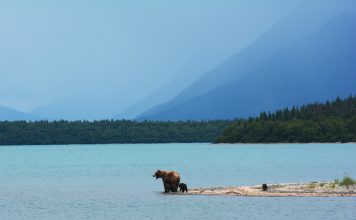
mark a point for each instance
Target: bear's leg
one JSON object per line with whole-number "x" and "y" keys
{"x": 166, "y": 188}
{"x": 174, "y": 188}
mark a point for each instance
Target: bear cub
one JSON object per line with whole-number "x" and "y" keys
{"x": 264, "y": 187}
{"x": 183, "y": 187}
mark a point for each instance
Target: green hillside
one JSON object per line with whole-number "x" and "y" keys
{"x": 319, "y": 122}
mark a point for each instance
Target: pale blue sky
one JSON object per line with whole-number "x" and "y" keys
{"x": 99, "y": 57}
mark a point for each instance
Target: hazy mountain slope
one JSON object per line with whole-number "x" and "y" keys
{"x": 318, "y": 67}
{"x": 183, "y": 78}
{"x": 9, "y": 114}
{"x": 308, "y": 17}
{"x": 72, "y": 109}
{"x": 161, "y": 95}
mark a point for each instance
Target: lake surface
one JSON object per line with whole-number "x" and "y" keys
{"x": 115, "y": 181}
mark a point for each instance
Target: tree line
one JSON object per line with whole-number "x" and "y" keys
{"x": 108, "y": 131}
{"x": 332, "y": 121}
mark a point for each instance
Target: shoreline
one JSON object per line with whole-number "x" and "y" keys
{"x": 313, "y": 189}
{"x": 281, "y": 143}
{"x": 152, "y": 143}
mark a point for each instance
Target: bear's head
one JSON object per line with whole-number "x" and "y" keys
{"x": 158, "y": 174}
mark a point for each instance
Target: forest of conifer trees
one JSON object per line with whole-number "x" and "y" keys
{"x": 108, "y": 131}
{"x": 319, "y": 122}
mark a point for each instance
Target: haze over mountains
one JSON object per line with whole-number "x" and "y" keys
{"x": 76, "y": 61}
{"x": 158, "y": 63}
{"x": 310, "y": 55}
{"x": 10, "y": 114}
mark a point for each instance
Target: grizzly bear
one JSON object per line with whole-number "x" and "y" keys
{"x": 170, "y": 180}
{"x": 183, "y": 187}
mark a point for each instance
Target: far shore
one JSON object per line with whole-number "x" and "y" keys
{"x": 274, "y": 143}
{"x": 312, "y": 189}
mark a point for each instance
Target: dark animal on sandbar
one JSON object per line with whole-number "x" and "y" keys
{"x": 264, "y": 187}
{"x": 183, "y": 187}
{"x": 170, "y": 180}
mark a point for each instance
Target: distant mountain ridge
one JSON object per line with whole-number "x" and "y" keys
{"x": 9, "y": 114}
{"x": 278, "y": 70}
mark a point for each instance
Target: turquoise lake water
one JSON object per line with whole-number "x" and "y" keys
{"x": 115, "y": 181}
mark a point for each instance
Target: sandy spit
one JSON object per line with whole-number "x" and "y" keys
{"x": 314, "y": 189}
